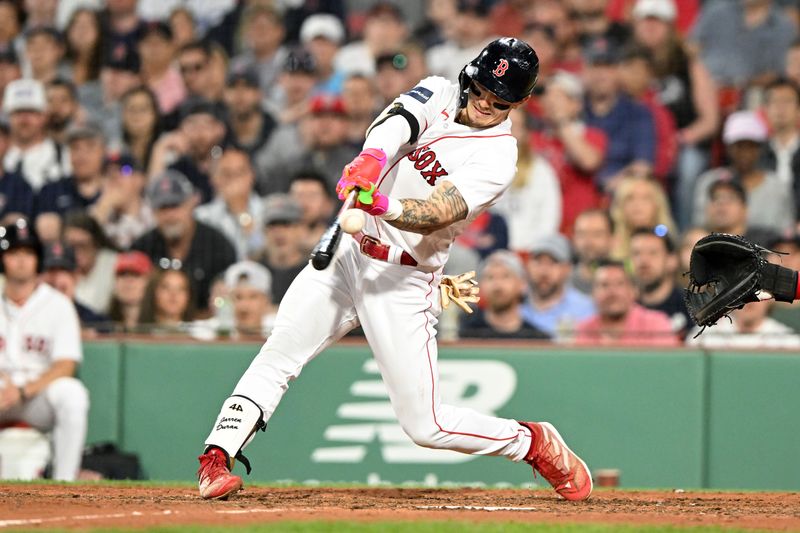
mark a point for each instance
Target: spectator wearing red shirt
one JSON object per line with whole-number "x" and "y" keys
{"x": 619, "y": 319}
{"x": 574, "y": 150}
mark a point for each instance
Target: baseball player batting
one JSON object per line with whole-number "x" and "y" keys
{"x": 436, "y": 158}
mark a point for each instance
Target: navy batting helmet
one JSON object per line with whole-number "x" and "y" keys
{"x": 20, "y": 234}
{"x": 507, "y": 67}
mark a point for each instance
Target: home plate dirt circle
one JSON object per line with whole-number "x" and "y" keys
{"x": 88, "y": 506}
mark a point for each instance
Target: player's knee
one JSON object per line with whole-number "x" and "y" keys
{"x": 425, "y": 435}
{"x": 69, "y": 394}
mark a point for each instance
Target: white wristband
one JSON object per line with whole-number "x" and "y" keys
{"x": 394, "y": 210}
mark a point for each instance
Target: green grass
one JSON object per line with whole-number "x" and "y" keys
{"x": 423, "y": 527}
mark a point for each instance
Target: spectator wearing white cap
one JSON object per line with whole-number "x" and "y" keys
{"x": 323, "y": 35}
{"x": 554, "y": 306}
{"x": 246, "y": 310}
{"x": 32, "y": 152}
{"x": 250, "y": 286}
{"x": 770, "y": 202}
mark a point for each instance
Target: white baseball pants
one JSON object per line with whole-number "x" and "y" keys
{"x": 397, "y": 307}
{"x": 63, "y": 408}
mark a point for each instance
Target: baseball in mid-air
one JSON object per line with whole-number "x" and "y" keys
{"x": 352, "y": 220}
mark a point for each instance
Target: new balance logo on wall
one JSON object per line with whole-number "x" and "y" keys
{"x": 483, "y": 385}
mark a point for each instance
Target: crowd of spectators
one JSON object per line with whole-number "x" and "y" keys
{"x": 178, "y": 157}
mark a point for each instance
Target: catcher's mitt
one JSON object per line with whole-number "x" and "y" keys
{"x": 728, "y": 271}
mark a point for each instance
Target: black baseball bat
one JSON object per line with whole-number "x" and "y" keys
{"x": 323, "y": 252}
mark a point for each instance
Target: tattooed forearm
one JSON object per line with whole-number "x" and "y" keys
{"x": 444, "y": 207}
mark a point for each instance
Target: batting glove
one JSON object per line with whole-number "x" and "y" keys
{"x": 362, "y": 172}
{"x": 460, "y": 290}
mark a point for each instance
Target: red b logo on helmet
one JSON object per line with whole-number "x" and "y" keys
{"x": 501, "y": 69}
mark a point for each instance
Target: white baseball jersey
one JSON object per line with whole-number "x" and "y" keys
{"x": 481, "y": 163}
{"x": 396, "y": 305}
{"x": 41, "y": 331}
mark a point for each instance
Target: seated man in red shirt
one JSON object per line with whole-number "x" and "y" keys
{"x": 619, "y": 319}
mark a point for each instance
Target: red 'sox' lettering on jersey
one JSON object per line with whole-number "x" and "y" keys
{"x": 501, "y": 69}
{"x": 425, "y": 161}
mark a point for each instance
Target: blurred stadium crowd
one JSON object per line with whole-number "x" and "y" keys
{"x": 177, "y": 157}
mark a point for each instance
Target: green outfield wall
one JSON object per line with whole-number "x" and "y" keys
{"x": 678, "y": 418}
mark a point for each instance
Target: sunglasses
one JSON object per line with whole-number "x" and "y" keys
{"x": 479, "y": 94}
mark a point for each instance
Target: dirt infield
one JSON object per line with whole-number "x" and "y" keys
{"x": 90, "y": 506}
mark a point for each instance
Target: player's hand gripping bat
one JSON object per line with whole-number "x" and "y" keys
{"x": 323, "y": 252}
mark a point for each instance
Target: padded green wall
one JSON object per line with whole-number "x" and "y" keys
{"x": 678, "y": 418}
{"x": 754, "y": 421}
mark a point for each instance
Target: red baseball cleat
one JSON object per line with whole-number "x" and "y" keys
{"x": 552, "y": 458}
{"x": 214, "y": 477}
